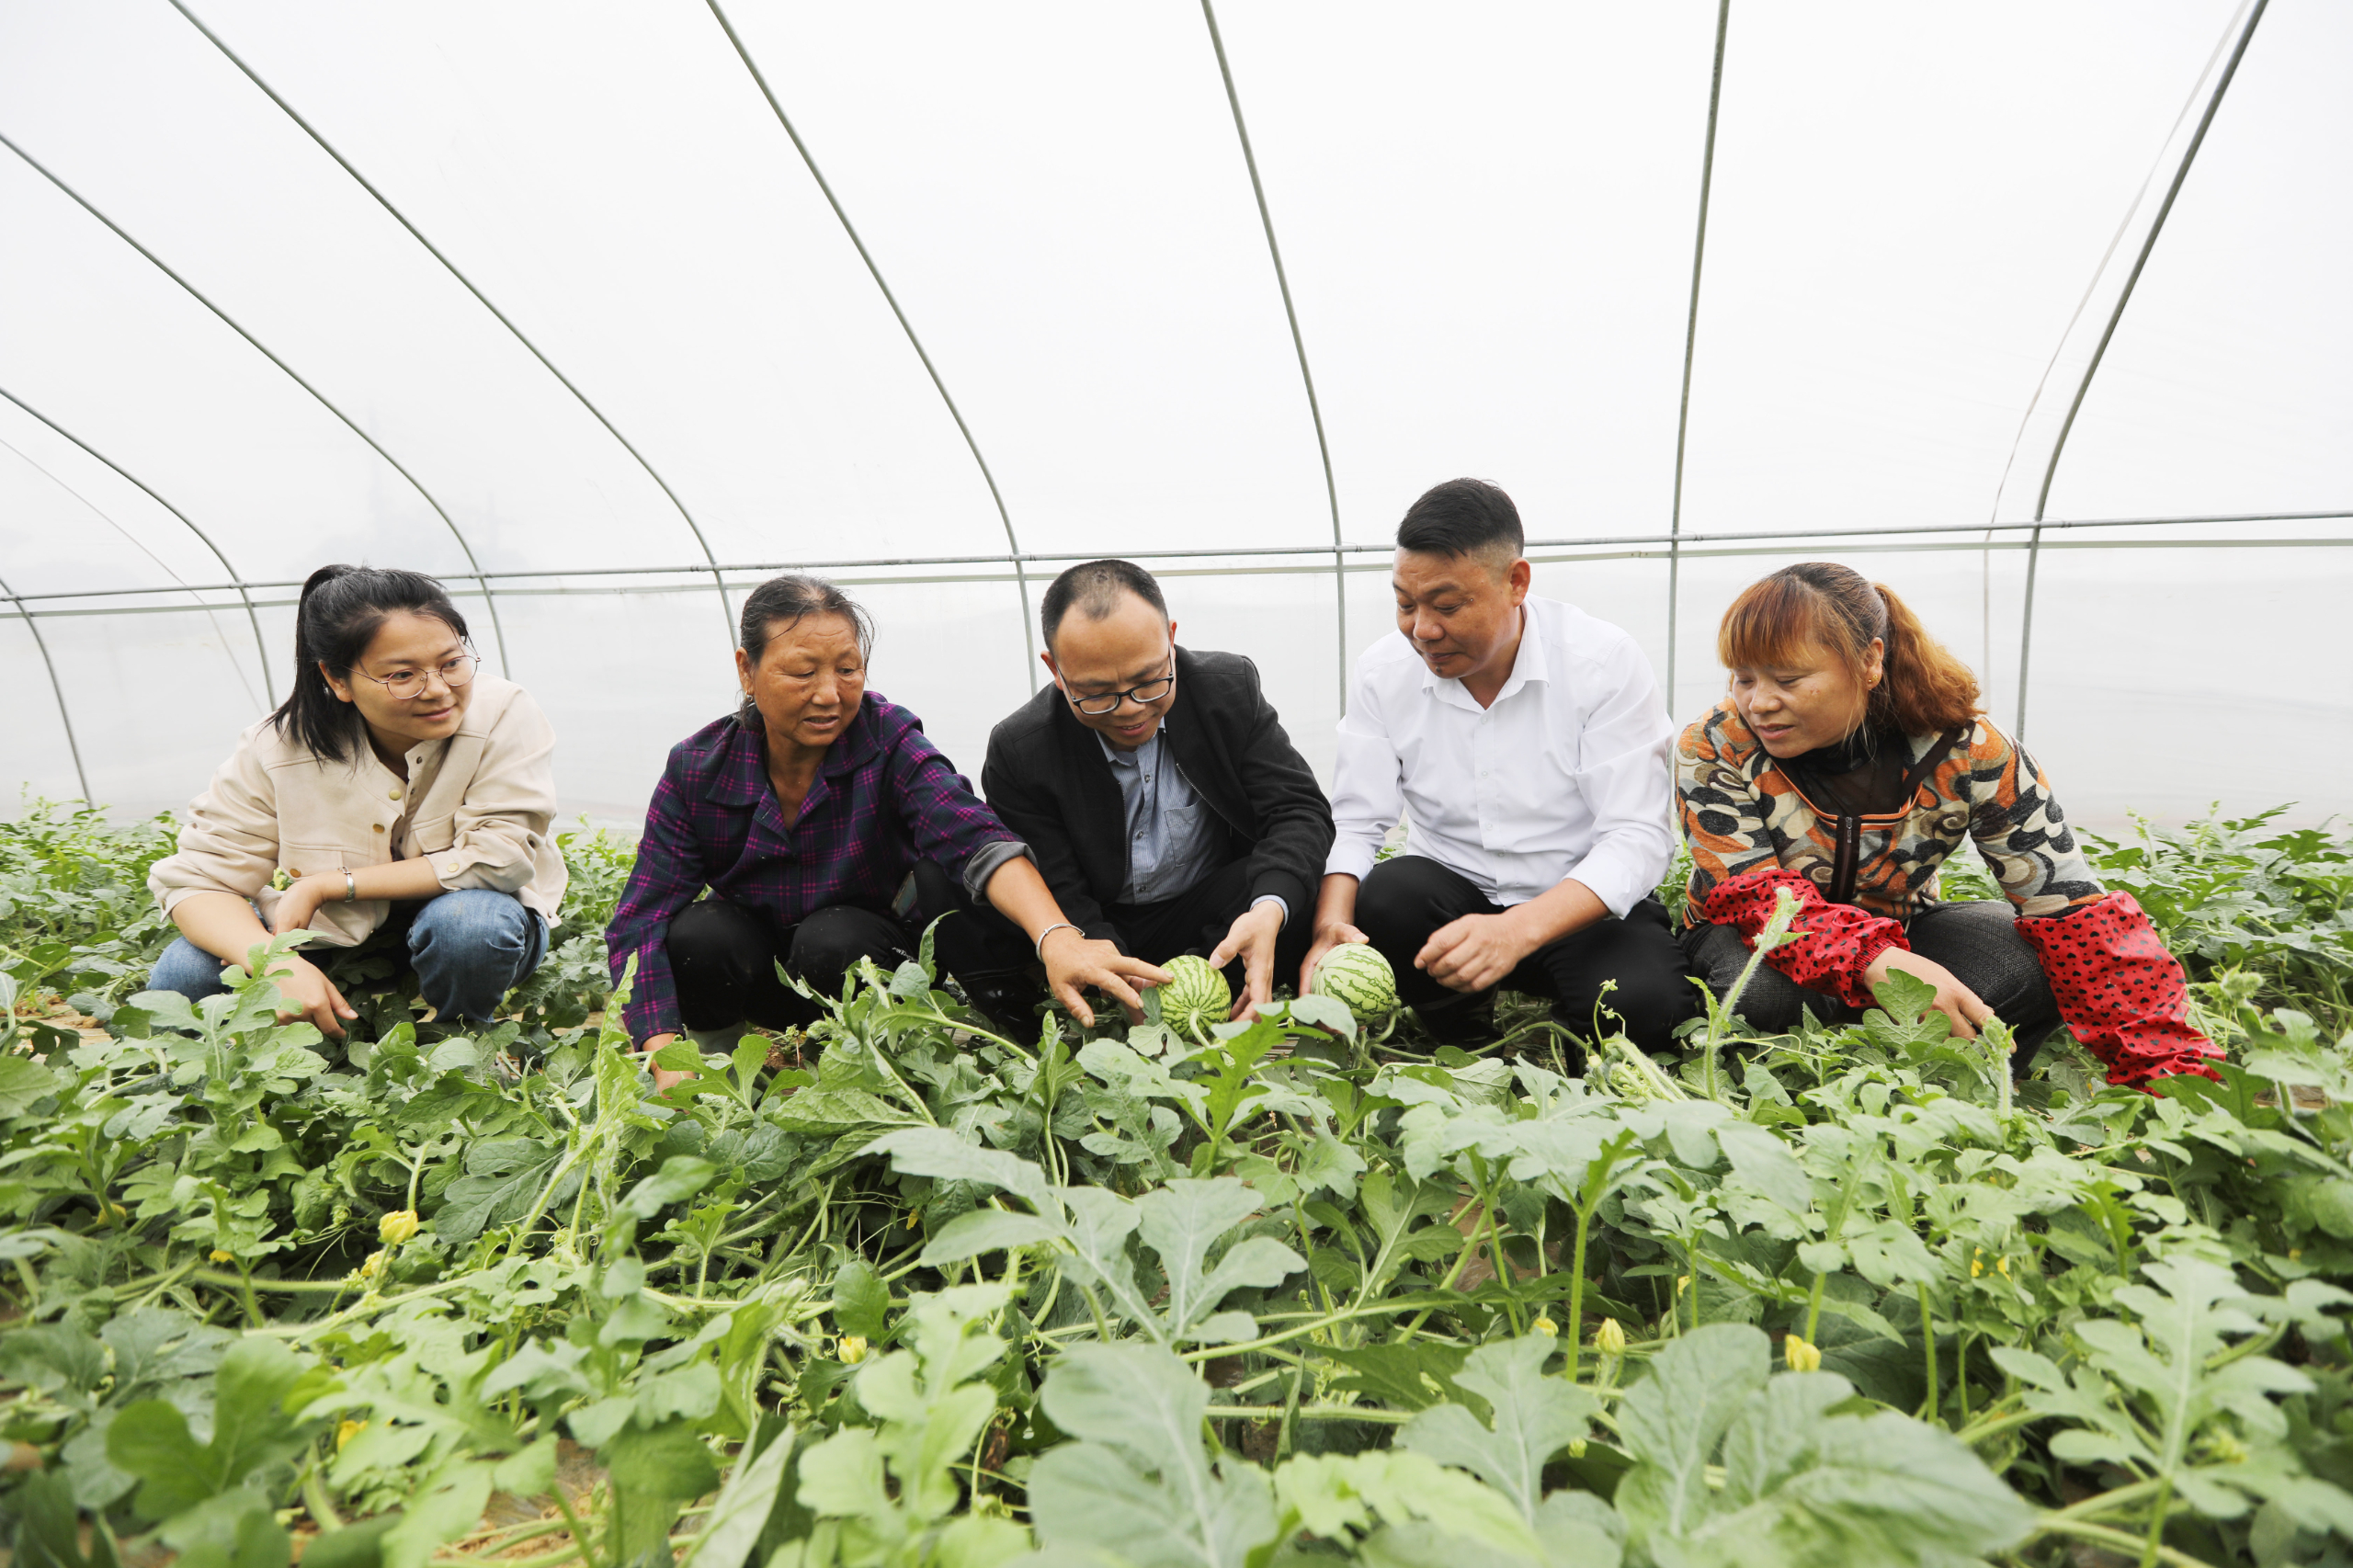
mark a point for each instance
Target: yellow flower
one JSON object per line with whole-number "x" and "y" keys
{"x": 1547, "y": 1327}
{"x": 373, "y": 1266}
{"x": 1976, "y": 1263}
{"x": 850, "y": 1348}
{"x": 220, "y": 1257}
{"x": 282, "y": 879}
{"x": 1800, "y": 1357}
{"x": 396, "y": 1227}
{"x": 1682, "y": 1283}
{"x": 1610, "y": 1337}
{"x": 347, "y": 1431}
{"x": 2002, "y": 1266}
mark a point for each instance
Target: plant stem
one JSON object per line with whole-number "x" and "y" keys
{"x": 2158, "y": 1524}
{"x": 572, "y": 1523}
{"x": 1312, "y": 1412}
{"x": 1576, "y": 1291}
{"x": 246, "y": 1286}
{"x": 2105, "y": 1502}
{"x": 315, "y": 1499}
{"x": 1928, "y": 1345}
{"x": 2052, "y": 1524}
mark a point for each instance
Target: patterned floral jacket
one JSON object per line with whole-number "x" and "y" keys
{"x": 1740, "y": 813}
{"x": 1859, "y": 880}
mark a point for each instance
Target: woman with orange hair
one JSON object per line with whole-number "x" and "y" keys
{"x": 1847, "y": 762}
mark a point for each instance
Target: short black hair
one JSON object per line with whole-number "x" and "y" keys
{"x": 1094, "y": 587}
{"x": 1462, "y": 517}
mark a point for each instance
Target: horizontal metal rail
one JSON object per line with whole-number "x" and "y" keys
{"x": 1538, "y": 554}
{"x": 1534, "y": 547}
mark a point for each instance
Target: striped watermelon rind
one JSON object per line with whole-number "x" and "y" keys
{"x": 1356, "y": 975}
{"x": 1195, "y": 996}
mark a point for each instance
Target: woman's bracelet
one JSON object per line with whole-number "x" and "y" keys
{"x": 350, "y": 888}
{"x": 1057, "y": 926}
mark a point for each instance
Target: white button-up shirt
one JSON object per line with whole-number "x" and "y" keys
{"x": 1567, "y": 774}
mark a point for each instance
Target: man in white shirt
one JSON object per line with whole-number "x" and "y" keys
{"x": 1526, "y": 745}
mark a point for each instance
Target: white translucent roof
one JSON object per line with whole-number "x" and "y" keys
{"x": 603, "y": 312}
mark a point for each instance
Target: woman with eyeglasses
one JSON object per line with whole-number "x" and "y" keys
{"x": 816, "y": 826}
{"x": 396, "y": 791}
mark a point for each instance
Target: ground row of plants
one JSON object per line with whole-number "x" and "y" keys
{"x": 902, "y": 1291}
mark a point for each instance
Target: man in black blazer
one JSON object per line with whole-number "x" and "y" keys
{"x": 1166, "y": 808}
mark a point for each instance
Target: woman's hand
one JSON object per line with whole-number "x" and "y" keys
{"x": 1955, "y": 1001}
{"x": 304, "y": 991}
{"x": 1330, "y": 935}
{"x": 662, "y": 1077}
{"x": 1075, "y": 961}
{"x": 299, "y": 902}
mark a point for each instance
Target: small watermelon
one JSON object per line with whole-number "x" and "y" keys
{"x": 1355, "y": 974}
{"x": 1195, "y": 996}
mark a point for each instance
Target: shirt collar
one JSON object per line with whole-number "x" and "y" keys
{"x": 1528, "y": 664}
{"x": 742, "y": 777}
{"x": 1135, "y": 759}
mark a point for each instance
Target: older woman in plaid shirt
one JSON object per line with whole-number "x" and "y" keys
{"x": 826, "y": 828}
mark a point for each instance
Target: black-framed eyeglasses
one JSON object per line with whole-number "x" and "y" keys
{"x": 1146, "y": 695}
{"x": 409, "y": 683}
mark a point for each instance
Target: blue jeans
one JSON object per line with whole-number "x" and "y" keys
{"x": 469, "y": 948}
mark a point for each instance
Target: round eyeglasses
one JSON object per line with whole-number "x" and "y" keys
{"x": 409, "y": 683}
{"x": 1146, "y": 695}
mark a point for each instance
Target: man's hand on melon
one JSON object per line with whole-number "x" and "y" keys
{"x": 1251, "y": 938}
{"x": 1076, "y": 961}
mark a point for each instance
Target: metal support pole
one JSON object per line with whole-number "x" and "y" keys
{"x": 2025, "y": 629}
{"x": 1298, "y": 344}
{"x": 244, "y": 590}
{"x": 1690, "y": 346}
{"x": 64, "y": 714}
{"x": 726, "y": 610}
{"x": 464, "y": 546}
{"x": 1013, "y": 546}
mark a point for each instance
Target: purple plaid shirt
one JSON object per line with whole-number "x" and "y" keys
{"x": 883, "y": 797}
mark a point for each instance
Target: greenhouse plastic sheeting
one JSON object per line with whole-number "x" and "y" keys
{"x": 603, "y": 312}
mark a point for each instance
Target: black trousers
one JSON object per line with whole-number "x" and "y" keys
{"x": 1195, "y": 922}
{"x": 1975, "y": 940}
{"x": 724, "y": 956}
{"x": 1406, "y": 898}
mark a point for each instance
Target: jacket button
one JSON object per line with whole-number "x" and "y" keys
{"x": 380, "y": 827}
{"x": 396, "y": 794}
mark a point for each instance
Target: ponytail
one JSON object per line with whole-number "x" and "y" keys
{"x": 1922, "y": 690}
{"x": 341, "y": 609}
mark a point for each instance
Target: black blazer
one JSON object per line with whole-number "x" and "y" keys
{"x": 1047, "y": 778}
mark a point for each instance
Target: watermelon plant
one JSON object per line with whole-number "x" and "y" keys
{"x": 898, "y": 1290}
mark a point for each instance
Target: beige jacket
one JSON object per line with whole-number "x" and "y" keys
{"x": 478, "y": 805}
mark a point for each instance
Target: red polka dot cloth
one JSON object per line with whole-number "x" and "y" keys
{"x": 2121, "y": 993}
{"x": 1840, "y": 940}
